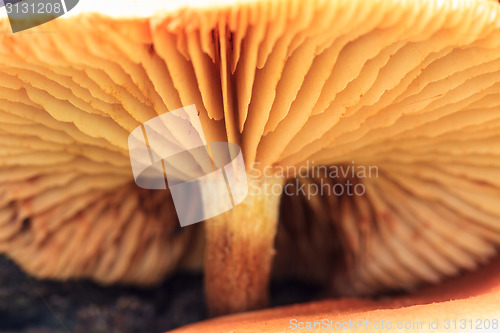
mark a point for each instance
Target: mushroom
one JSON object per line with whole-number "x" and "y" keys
{"x": 469, "y": 301}
{"x": 410, "y": 89}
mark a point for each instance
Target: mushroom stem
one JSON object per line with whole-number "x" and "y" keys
{"x": 239, "y": 251}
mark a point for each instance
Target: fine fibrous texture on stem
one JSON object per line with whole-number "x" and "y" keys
{"x": 240, "y": 251}
{"x": 410, "y": 89}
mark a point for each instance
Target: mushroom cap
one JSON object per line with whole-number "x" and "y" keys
{"x": 473, "y": 297}
{"x": 409, "y": 87}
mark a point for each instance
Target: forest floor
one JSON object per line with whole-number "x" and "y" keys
{"x": 29, "y": 305}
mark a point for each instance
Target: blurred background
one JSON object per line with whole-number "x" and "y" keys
{"x": 38, "y": 306}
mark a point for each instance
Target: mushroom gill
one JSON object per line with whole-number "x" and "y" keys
{"x": 409, "y": 87}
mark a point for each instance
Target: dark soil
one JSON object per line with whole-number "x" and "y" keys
{"x": 40, "y": 306}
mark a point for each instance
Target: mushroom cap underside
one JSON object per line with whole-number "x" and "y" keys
{"x": 409, "y": 87}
